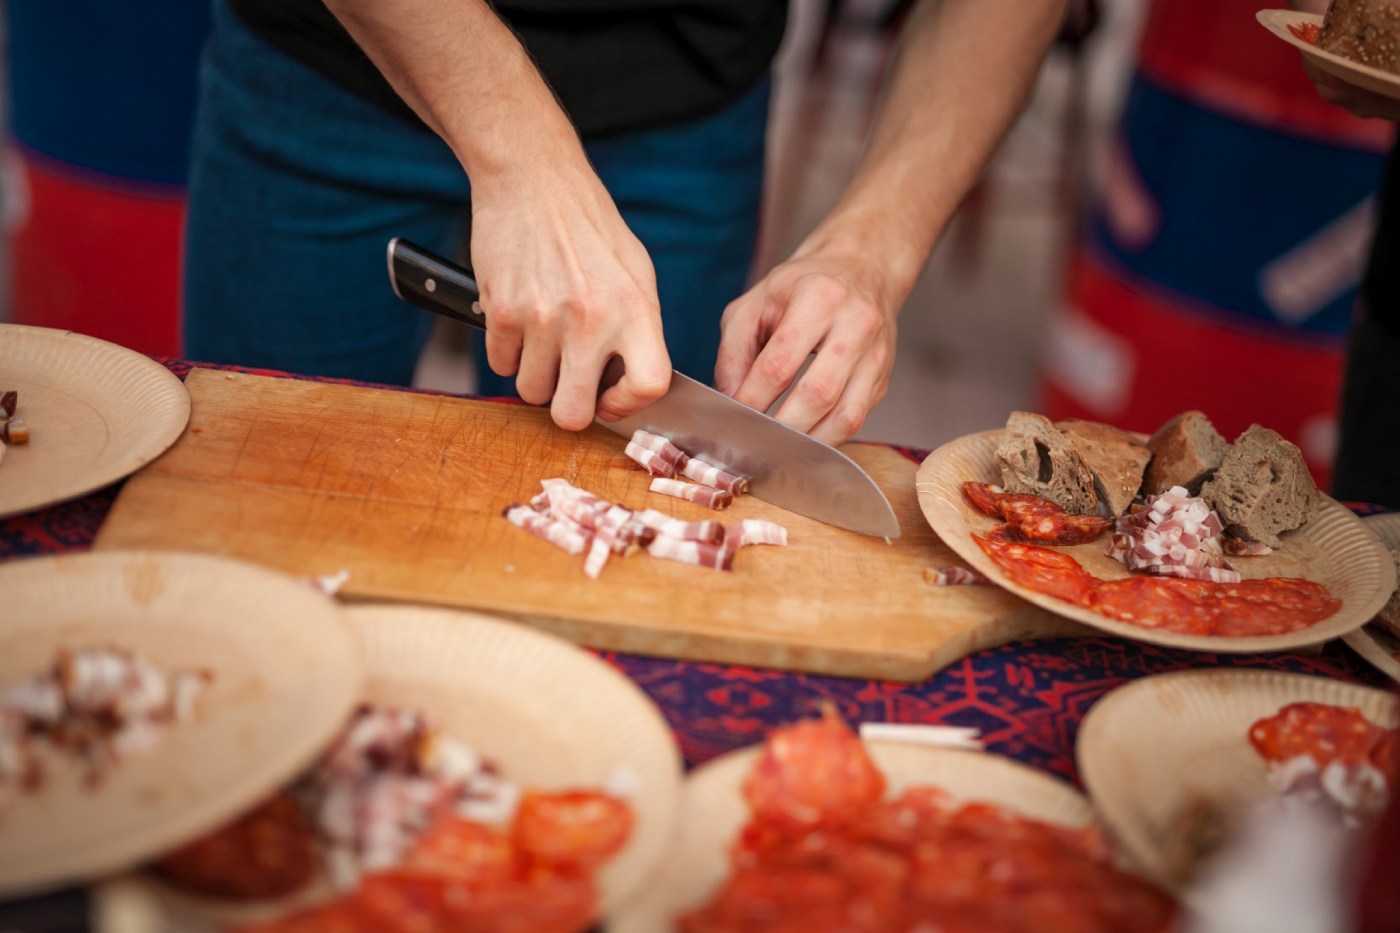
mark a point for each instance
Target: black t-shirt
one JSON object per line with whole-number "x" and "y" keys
{"x": 1382, "y": 284}
{"x": 616, "y": 65}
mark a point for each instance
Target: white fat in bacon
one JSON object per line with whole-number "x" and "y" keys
{"x": 662, "y": 447}
{"x": 546, "y": 528}
{"x": 1172, "y": 534}
{"x": 711, "y": 475}
{"x": 752, "y": 531}
{"x": 609, "y": 526}
{"x": 653, "y": 462}
{"x": 953, "y": 576}
{"x": 707, "y": 496}
{"x": 578, "y": 506}
{"x": 699, "y": 553}
{"x": 709, "y": 531}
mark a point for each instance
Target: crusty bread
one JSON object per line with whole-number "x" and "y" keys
{"x": 1365, "y": 31}
{"x": 1116, "y": 459}
{"x": 1389, "y": 617}
{"x": 1036, "y": 457}
{"x": 1262, "y": 488}
{"x": 1185, "y": 451}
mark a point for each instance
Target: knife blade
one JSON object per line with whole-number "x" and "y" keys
{"x": 785, "y": 467}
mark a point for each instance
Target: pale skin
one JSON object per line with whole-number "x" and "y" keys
{"x": 566, "y": 286}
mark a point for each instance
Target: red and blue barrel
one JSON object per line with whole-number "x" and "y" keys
{"x": 1223, "y": 257}
{"x": 102, "y": 102}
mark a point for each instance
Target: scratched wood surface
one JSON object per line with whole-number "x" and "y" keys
{"x": 405, "y": 491}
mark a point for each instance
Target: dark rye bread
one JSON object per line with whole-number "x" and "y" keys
{"x": 1037, "y": 458}
{"x": 1185, "y": 451}
{"x": 1262, "y": 488}
{"x": 1116, "y": 459}
{"x": 1365, "y": 31}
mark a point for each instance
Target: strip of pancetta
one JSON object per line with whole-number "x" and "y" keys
{"x": 653, "y": 462}
{"x": 698, "y": 553}
{"x": 708, "y": 531}
{"x": 662, "y": 447}
{"x": 603, "y": 539}
{"x": 751, "y": 531}
{"x": 953, "y": 576}
{"x": 708, "y": 496}
{"x": 711, "y": 475}
{"x": 549, "y": 529}
{"x": 578, "y": 506}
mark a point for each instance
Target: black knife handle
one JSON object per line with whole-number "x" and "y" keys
{"x": 429, "y": 281}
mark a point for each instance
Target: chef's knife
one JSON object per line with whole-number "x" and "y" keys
{"x": 784, "y": 466}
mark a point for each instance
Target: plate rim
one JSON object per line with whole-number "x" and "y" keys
{"x": 1386, "y": 526}
{"x": 160, "y": 439}
{"x": 959, "y": 539}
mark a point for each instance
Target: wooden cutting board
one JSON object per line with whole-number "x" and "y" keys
{"x": 405, "y": 491}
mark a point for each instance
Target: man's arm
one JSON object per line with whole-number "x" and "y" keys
{"x": 564, "y": 284}
{"x": 962, "y": 72}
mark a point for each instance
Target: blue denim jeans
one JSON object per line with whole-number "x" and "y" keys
{"x": 296, "y": 186}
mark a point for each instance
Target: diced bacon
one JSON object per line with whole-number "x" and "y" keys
{"x": 653, "y": 462}
{"x": 662, "y": 447}
{"x": 756, "y": 531}
{"x": 578, "y": 506}
{"x": 707, "y": 496}
{"x": 549, "y": 529}
{"x": 14, "y": 431}
{"x": 953, "y": 576}
{"x": 699, "y": 553}
{"x": 1172, "y": 534}
{"x": 609, "y": 526}
{"x": 708, "y": 531}
{"x": 711, "y": 475}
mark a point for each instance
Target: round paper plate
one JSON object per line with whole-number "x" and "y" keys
{"x": 96, "y": 412}
{"x": 1334, "y": 548}
{"x": 1161, "y": 749}
{"x": 286, "y": 673}
{"x": 549, "y": 714}
{"x": 713, "y": 811}
{"x": 1377, "y": 646}
{"x": 1372, "y": 79}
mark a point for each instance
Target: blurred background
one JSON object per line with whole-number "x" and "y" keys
{"x": 1176, "y": 221}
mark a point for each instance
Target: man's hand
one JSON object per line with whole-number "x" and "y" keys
{"x": 812, "y": 304}
{"x": 565, "y": 286}
{"x": 1361, "y": 102}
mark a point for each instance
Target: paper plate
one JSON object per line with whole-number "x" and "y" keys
{"x": 1334, "y": 548}
{"x": 548, "y": 713}
{"x": 713, "y": 811}
{"x": 96, "y": 412}
{"x": 1155, "y": 751}
{"x": 1372, "y": 79}
{"x": 1377, "y": 646}
{"x": 286, "y": 673}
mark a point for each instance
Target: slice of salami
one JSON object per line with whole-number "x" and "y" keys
{"x": 1034, "y": 519}
{"x": 1040, "y": 569}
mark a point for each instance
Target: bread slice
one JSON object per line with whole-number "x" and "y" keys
{"x": 1262, "y": 488}
{"x": 1036, "y": 457}
{"x": 1116, "y": 459}
{"x": 1185, "y": 451}
{"x": 1366, "y": 31}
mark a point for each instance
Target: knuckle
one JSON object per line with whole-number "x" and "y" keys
{"x": 848, "y": 420}
{"x": 825, "y": 287}
{"x": 774, "y": 369}
{"x": 819, "y": 392}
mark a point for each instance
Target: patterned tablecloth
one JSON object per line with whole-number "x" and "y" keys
{"x": 1027, "y": 698}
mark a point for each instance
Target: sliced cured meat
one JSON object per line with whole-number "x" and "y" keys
{"x": 556, "y": 532}
{"x": 751, "y": 531}
{"x": 1032, "y": 518}
{"x": 698, "y": 553}
{"x": 572, "y": 829}
{"x": 708, "y": 496}
{"x": 1270, "y": 606}
{"x": 1040, "y": 569}
{"x": 9, "y": 402}
{"x": 1173, "y": 534}
{"x": 711, "y": 475}
{"x": 651, "y": 461}
{"x": 669, "y": 453}
{"x": 268, "y": 852}
{"x": 953, "y": 576}
{"x": 609, "y": 527}
{"x": 1328, "y": 753}
{"x": 708, "y": 531}
{"x": 814, "y": 773}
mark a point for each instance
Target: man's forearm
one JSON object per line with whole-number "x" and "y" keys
{"x": 466, "y": 75}
{"x": 962, "y": 73}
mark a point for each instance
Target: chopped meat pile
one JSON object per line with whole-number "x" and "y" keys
{"x": 1174, "y": 534}
{"x": 96, "y": 704}
{"x": 578, "y": 522}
